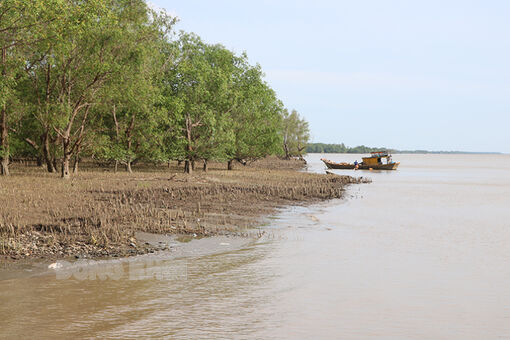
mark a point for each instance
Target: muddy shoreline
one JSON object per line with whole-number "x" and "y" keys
{"x": 101, "y": 267}
{"x": 98, "y": 214}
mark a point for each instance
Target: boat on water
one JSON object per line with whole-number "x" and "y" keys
{"x": 380, "y": 160}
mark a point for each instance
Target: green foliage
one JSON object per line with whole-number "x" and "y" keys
{"x": 256, "y": 117}
{"x": 129, "y": 119}
{"x": 199, "y": 94}
{"x": 296, "y": 134}
{"x": 21, "y": 24}
{"x": 108, "y": 79}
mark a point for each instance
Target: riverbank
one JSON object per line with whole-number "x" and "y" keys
{"x": 98, "y": 212}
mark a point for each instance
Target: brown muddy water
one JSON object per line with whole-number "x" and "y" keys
{"x": 420, "y": 253}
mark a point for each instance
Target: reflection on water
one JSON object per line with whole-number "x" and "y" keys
{"x": 420, "y": 253}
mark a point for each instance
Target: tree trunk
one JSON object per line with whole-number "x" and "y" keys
{"x": 230, "y": 164}
{"x": 50, "y": 166}
{"x": 38, "y": 150}
{"x": 4, "y": 143}
{"x": 193, "y": 164}
{"x": 65, "y": 166}
{"x": 77, "y": 153}
{"x": 205, "y": 165}
{"x": 5, "y": 166}
{"x": 286, "y": 146}
{"x": 54, "y": 153}
{"x": 75, "y": 165}
{"x": 187, "y": 167}
{"x": 66, "y": 158}
{"x": 68, "y": 149}
{"x": 4, "y": 132}
{"x": 129, "y": 143}
{"x": 116, "y": 166}
{"x": 287, "y": 152}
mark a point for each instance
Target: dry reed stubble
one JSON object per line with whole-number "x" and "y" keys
{"x": 98, "y": 213}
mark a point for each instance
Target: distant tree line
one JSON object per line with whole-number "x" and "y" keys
{"x": 111, "y": 80}
{"x": 340, "y": 148}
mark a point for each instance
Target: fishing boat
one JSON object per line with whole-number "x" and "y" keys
{"x": 380, "y": 160}
{"x": 335, "y": 165}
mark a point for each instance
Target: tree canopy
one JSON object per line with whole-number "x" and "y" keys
{"x": 296, "y": 134}
{"x": 111, "y": 80}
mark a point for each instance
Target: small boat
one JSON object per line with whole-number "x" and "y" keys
{"x": 373, "y": 162}
{"x": 334, "y": 165}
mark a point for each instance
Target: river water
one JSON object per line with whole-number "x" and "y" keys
{"x": 421, "y": 253}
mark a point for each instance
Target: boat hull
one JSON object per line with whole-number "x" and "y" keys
{"x": 349, "y": 166}
{"x": 334, "y": 165}
{"x": 391, "y": 166}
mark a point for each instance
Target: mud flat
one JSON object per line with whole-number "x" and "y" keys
{"x": 100, "y": 213}
{"x": 165, "y": 250}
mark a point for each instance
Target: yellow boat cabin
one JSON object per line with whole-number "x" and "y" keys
{"x": 375, "y": 161}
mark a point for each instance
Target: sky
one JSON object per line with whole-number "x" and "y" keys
{"x": 408, "y": 75}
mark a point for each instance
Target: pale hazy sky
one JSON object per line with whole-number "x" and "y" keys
{"x": 402, "y": 74}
